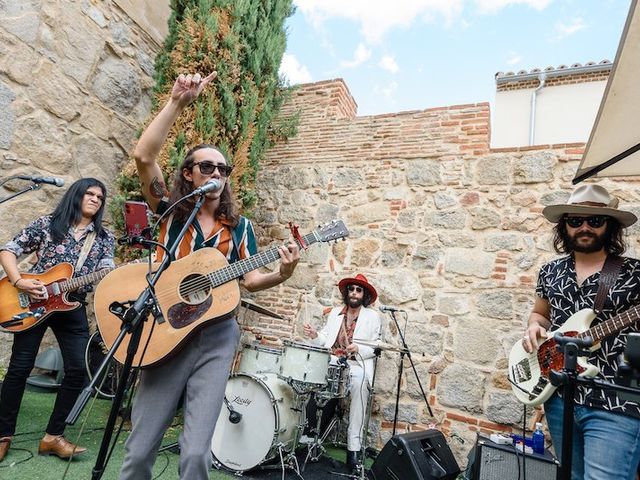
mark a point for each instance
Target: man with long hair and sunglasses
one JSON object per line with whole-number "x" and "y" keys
{"x": 346, "y": 325}
{"x": 589, "y": 230}
{"x": 73, "y": 233}
{"x": 201, "y": 368}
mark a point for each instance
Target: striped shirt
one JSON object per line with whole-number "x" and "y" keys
{"x": 220, "y": 237}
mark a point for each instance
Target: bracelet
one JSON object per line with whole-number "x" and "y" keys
{"x": 14, "y": 283}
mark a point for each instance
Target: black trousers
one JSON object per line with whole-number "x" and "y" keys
{"x": 72, "y": 332}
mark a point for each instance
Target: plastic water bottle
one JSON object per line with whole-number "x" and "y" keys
{"x": 538, "y": 439}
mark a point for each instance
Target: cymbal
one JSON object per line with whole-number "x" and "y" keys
{"x": 251, "y": 305}
{"x": 381, "y": 345}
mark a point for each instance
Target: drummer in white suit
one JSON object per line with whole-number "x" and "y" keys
{"x": 345, "y": 326}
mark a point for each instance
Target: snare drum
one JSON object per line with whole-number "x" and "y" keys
{"x": 257, "y": 358}
{"x": 269, "y": 422}
{"x": 338, "y": 380}
{"x": 306, "y": 364}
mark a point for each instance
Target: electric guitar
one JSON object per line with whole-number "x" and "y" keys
{"x": 194, "y": 291}
{"x": 19, "y": 312}
{"x": 529, "y": 372}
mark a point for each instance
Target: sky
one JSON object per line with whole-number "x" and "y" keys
{"x": 398, "y": 55}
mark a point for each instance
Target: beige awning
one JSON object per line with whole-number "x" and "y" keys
{"x": 615, "y": 133}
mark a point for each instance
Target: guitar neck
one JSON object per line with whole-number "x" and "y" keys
{"x": 239, "y": 268}
{"x": 78, "y": 282}
{"x": 613, "y": 325}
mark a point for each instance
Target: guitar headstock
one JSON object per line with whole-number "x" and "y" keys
{"x": 334, "y": 230}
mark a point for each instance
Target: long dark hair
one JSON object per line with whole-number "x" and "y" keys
{"x": 69, "y": 210}
{"x": 613, "y": 237}
{"x": 182, "y": 186}
{"x": 366, "y": 297}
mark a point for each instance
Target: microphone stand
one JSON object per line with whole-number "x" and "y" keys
{"x": 132, "y": 323}
{"x": 33, "y": 186}
{"x": 405, "y": 351}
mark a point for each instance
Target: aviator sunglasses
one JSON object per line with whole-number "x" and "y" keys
{"x": 595, "y": 221}
{"x": 207, "y": 168}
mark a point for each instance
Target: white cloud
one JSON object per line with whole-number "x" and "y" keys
{"x": 361, "y": 55}
{"x": 514, "y": 58}
{"x": 377, "y": 17}
{"x": 492, "y": 6}
{"x": 387, "y": 62}
{"x": 564, "y": 30}
{"x": 387, "y": 91}
{"x": 293, "y": 70}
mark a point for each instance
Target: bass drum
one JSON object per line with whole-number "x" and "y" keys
{"x": 268, "y": 424}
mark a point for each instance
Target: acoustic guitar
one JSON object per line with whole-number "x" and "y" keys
{"x": 19, "y": 312}
{"x": 194, "y": 291}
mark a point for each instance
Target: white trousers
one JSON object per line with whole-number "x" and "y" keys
{"x": 359, "y": 390}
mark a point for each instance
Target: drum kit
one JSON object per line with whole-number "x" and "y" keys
{"x": 266, "y": 398}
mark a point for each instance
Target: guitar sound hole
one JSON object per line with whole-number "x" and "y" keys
{"x": 194, "y": 289}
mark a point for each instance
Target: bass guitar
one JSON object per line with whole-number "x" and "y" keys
{"x": 194, "y": 291}
{"x": 19, "y": 312}
{"x": 529, "y": 372}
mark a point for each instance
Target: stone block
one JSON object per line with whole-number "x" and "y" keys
{"x": 461, "y": 386}
{"x": 423, "y": 173}
{"x": 476, "y": 264}
{"x": 535, "y": 168}
{"x": 497, "y": 304}
{"x": 493, "y": 171}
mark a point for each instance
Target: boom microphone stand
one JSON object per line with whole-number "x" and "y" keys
{"x": 405, "y": 351}
{"x": 132, "y": 317}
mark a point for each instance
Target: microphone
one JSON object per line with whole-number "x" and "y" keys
{"x": 342, "y": 360}
{"x": 388, "y": 308}
{"x": 58, "y": 182}
{"x": 210, "y": 186}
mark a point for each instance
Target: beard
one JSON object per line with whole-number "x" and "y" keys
{"x": 355, "y": 302}
{"x": 577, "y": 243}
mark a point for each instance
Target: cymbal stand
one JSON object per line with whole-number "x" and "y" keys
{"x": 405, "y": 351}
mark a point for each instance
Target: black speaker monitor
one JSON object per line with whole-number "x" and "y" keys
{"x": 415, "y": 456}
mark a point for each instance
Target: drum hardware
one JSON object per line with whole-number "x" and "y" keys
{"x": 251, "y": 305}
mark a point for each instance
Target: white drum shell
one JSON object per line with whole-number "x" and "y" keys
{"x": 306, "y": 364}
{"x": 258, "y": 359}
{"x": 269, "y": 421}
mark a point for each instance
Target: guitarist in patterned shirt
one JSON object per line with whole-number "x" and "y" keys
{"x": 201, "y": 368}
{"x": 55, "y": 238}
{"x": 606, "y": 429}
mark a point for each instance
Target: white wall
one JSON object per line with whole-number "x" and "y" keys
{"x": 564, "y": 114}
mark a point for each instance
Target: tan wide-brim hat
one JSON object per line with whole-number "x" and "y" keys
{"x": 590, "y": 200}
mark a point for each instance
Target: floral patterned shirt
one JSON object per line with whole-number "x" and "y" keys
{"x": 558, "y": 285}
{"x": 36, "y": 237}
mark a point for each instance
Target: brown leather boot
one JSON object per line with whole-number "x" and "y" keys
{"x": 60, "y": 447}
{"x": 5, "y": 443}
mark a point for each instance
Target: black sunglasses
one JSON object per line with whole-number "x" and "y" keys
{"x": 595, "y": 221}
{"x": 355, "y": 288}
{"x": 207, "y": 168}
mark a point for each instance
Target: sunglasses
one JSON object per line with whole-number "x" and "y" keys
{"x": 207, "y": 168}
{"x": 595, "y": 221}
{"x": 355, "y": 288}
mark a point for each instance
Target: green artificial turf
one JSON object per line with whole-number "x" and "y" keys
{"x": 23, "y": 462}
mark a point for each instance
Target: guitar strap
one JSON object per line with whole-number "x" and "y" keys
{"x": 608, "y": 275}
{"x": 86, "y": 248}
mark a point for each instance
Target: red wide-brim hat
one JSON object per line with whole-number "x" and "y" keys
{"x": 358, "y": 280}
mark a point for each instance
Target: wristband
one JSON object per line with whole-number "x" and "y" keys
{"x": 14, "y": 283}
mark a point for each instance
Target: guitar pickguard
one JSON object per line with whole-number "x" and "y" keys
{"x": 183, "y": 314}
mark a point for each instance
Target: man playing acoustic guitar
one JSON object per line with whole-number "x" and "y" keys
{"x": 202, "y": 365}
{"x": 73, "y": 233}
{"x": 589, "y": 229}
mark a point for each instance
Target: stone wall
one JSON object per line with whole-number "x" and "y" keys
{"x": 75, "y": 87}
{"x": 445, "y": 228}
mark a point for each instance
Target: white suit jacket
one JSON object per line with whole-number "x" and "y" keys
{"x": 368, "y": 328}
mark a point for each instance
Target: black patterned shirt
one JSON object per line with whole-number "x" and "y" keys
{"x": 558, "y": 285}
{"x": 36, "y": 237}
